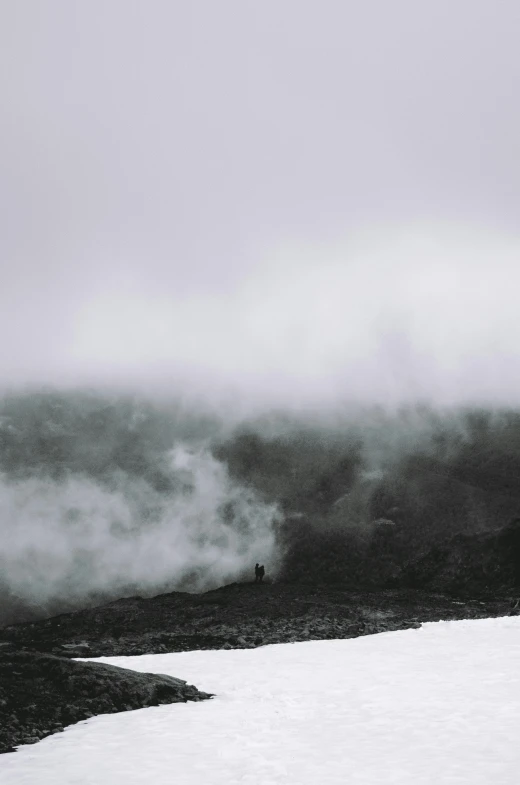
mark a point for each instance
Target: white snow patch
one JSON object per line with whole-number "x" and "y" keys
{"x": 436, "y": 705}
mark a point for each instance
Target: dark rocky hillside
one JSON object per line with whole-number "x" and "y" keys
{"x": 243, "y": 616}
{"x": 470, "y": 562}
{"x": 366, "y": 500}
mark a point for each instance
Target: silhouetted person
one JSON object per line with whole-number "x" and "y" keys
{"x": 261, "y": 573}
{"x": 257, "y": 572}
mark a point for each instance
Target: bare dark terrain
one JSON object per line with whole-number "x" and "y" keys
{"x": 242, "y": 616}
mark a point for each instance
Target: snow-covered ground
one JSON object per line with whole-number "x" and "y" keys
{"x": 438, "y": 705}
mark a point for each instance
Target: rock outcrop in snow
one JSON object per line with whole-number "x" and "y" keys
{"x": 40, "y": 694}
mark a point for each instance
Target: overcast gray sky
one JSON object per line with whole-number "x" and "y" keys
{"x": 300, "y": 198}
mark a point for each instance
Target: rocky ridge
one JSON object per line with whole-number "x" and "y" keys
{"x": 242, "y": 616}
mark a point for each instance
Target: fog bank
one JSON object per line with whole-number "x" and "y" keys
{"x": 80, "y": 524}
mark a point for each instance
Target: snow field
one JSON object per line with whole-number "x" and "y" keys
{"x": 438, "y": 705}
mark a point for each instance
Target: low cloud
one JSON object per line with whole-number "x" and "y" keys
{"x": 387, "y": 316}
